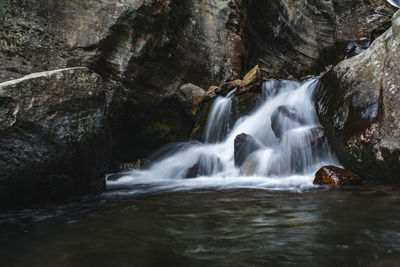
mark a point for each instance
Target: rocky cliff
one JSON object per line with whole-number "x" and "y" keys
{"x": 296, "y": 38}
{"x": 359, "y": 104}
{"x": 136, "y": 57}
{"x": 54, "y": 139}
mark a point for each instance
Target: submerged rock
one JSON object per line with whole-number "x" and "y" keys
{"x": 244, "y": 145}
{"x": 335, "y": 176}
{"x": 248, "y": 168}
{"x": 303, "y": 137}
{"x": 206, "y": 166}
{"x": 358, "y": 103}
{"x": 54, "y": 140}
{"x": 285, "y": 118}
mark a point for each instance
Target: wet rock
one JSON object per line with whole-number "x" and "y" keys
{"x": 127, "y": 166}
{"x": 248, "y": 168}
{"x": 335, "y": 176}
{"x": 358, "y": 105}
{"x": 244, "y": 104}
{"x": 190, "y": 96}
{"x": 206, "y": 166}
{"x": 316, "y": 134}
{"x": 244, "y": 145}
{"x": 54, "y": 139}
{"x": 285, "y": 118}
{"x": 356, "y": 48}
{"x": 193, "y": 171}
{"x": 304, "y": 137}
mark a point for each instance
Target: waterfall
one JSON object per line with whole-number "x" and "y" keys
{"x": 219, "y": 119}
{"x": 286, "y": 133}
{"x": 395, "y": 3}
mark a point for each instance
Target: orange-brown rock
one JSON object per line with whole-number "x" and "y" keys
{"x": 335, "y": 176}
{"x": 251, "y": 83}
{"x": 253, "y": 76}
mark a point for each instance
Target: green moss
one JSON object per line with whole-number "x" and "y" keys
{"x": 161, "y": 131}
{"x": 246, "y": 103}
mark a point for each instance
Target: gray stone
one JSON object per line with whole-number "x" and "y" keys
{"x": 244, "y": 145}
{"x": 359, "y": 106}
{"x": 296, "y": 38}
{"x": 53, "y": 136}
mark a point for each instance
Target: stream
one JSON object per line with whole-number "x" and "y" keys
{"x": 358, "y": 226}
{"x": 196, "y": 205}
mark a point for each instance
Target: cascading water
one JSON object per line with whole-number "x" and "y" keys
{"x": 219, "y": 119}
{"x": 284, "y": 127}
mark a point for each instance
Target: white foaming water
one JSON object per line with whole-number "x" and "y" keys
{"x": 219, "y": 119}
{"x": 284, "y": 127}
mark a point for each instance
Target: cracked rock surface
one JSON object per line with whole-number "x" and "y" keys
{"x": 359, "y": 104}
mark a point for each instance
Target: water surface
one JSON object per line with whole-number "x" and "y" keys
{"x": 359, "y": 226}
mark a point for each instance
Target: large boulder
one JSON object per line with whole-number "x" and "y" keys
{"x": 335, "y": 176}
{"x": 358, "y": 103}
{"x": 40, "y": 35}
{"x": 190, "y": 96}
{"x": 206, "y": 165}
{"x": 54, "y": 141}
{"x": 244, "y": 145}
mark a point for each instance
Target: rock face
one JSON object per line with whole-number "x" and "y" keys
{"x": 146, "y": 53}
{"x": 358, "y": 104}
{"x": 43, "y": 35}
{"x": 154, "y": 49}
{"x": 53, "y": 136}
{"x": 203, "y": 42}
{"x": 146, "y": 50}
{"x": 334, "y": 176}
{"x": 287, "y": 37}
{"x": 244, "y": 145}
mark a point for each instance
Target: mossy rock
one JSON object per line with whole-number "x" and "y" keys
{"x": 246, "y": 103}
{"x": 162, "y": 131}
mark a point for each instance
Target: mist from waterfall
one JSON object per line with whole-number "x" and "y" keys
{"x": 283, "y": 127}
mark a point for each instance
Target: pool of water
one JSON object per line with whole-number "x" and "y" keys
{"x": 357, "y": 226}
